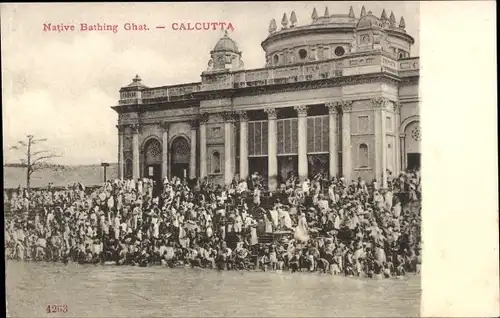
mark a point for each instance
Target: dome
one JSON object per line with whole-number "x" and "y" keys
{"x": 368, "y": 21}
{"x": 226, "y": 44}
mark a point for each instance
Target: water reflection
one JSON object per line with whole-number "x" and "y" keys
{"x": 109, "y": 291}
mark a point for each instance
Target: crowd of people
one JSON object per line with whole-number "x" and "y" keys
{"x": 319, "y": 225}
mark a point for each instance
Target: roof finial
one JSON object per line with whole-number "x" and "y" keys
{"x": 351, "y": 13}
{"x": 226, "y": 34}
{"x": 327, "y": 14}
{"x": 363, "y": 12}
{"x": 284, "y": 21}
{"x": 272, "y": 26}
{"x": 293, "y": 19}
{"x": 402, "y": 23}
{"x": 314, "y": 15}
{"x": 392, "y": 19}
{"x": 383, "y": 17}
{"x": 137, "y": 78}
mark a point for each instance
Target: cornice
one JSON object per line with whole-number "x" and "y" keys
{"x": 267, "y": 89}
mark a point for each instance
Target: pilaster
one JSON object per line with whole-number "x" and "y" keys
{"x": 346, "y": 107}
{"x": 397, "y": 120}
{"x": 272, "y": 149}
{"x": 192, "y": 160}
{"x": 203, "y": 144}
{"x": 333, "y": 110}
{"x": 136, "y": 170}
{"x": 302, "y": 140}
{"x": 229, "y": 156}
{"x": 243, "y": 116}
{"x": 164, "y": 153}
{"x": 380, "y": 105}
{"x": 121, "y": 165}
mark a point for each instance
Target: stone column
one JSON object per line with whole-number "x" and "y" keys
{"x": 397, "y": 150}
{"x": 121, "y": 133}
{"x": 346, "y": 140}
{"x": 402, "y": 154}
{"x": 228, "y": 147}
{"x": 332, "y": 138}
{"x": 136, "y": 170}
{"x": 243, "y": 145}
{"x": 272, "y": 159}
{"x": 164, "y": 152}
{"x": 192, "y": 159}
{"x": 302, "y": 146}
{"x": 380, "y": 105}
{"x": 203, "y": 145}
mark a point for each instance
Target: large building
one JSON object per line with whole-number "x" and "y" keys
{"x": 337, "y": 96}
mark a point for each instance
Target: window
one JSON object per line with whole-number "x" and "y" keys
{"x": 302, "y": 53}
{"x": 276, "y": 59}
{"x": 287, "y": 136}
{"x": 416, "y": 134}
{"x": 215, "y": 162}
{"x": 401, "y": 55}
{"x": 257, "y": 138}
{"x": 317, "y": 134}
{"x": 339, "y": 51}
{"x": 363, "y": 156}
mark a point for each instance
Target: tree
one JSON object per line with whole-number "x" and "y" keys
{"x": 35, "y": 160}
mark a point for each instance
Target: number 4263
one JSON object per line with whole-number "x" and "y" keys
{"x": 56, "y": 308}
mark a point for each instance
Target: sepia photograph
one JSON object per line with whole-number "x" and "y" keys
{"x": 181, "y": 159}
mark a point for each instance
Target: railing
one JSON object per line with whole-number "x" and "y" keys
{"x": 317, "y": 70}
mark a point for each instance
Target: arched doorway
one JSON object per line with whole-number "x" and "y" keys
{"x": 152, "y": 162}
{"x": 181, "y": 153}
{"x": 412, "y": 139}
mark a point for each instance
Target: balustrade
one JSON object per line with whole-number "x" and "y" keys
{"x": 349, "y": 65}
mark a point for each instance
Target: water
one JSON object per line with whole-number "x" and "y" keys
{"x": 109, "y": 291}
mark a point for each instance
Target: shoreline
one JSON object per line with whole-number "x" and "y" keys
{"x": 315, "y": 273}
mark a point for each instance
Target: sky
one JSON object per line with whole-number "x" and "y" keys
{"x": 61, "y": 85}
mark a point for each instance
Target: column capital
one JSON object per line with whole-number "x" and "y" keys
{"x": 194, "y": 123}
{"x": 203, "y": 117}
{"x": 136, "y": 128}
{"x": 380, "y": 102}
{"x": 346, "y": 106}
{"x": 229, "y": 116}
{"x": 301, "y": 110}
{"x": 164, "y": 126}
{"x": 243, "y": 115}
{"x": 121, "y": 129}
{"x": 333, "y": 107}
{"x": 272, "y": 113}
{"x": 402, "y": 135}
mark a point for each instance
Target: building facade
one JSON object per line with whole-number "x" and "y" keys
{"x": 338, "y": 96}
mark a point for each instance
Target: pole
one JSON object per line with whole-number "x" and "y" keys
{"x": 105, "y": 165}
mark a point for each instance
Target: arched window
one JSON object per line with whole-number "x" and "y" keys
{"x": 401, "y": 55}
{"x": 302, "y": 54}
{"x": 276, "y": 59}
{"x": 363, "y": 156}
{"x": 215, "y": 163}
